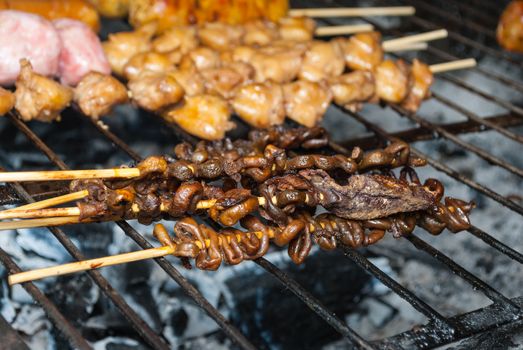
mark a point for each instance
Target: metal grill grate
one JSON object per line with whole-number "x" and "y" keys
{"x": 440, "y": 330}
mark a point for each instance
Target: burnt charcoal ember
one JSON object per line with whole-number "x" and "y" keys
{"x": 368, "y": 197}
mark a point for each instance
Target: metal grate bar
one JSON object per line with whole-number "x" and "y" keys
{"x": 141, "y": 327}
{"x": 397, "y": 288}
{"x": 469, "y": 147}
{"x": 290, "y": 283}
{"x": 61, "y": 323}
{"x": 488, "y": 5}
{"x": 10, "y": 337}
{"x": 448, "y": 16}
{"x": 468, "y": 9}
{"x": 485, "y": 237}
{"x": 314, "y": 304}
{"x": 467, "y": 276}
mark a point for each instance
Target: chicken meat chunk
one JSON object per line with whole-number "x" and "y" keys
{"x": 421, "y": 78}
{"x": 306, "y": 102}
{"x": 323, "y": 60}
{"x": 510, "y": 27}
{"x": 190, "y": 80}
{"x": 260, "y": 32}
{"x": 352, "y": 88}
{"x": 147, "y": 61}
{"x": 260, "y": 104}
{"x": 38, "y": 97}
{"x": 204, "y": 116}
{"x": 155, "y": 91}
{"x": 182, "y": 39}
{"x": 120, "y": 47}
{"x": 363, "y": 50}
{"x": 296, "y": 28}
{"x": 220, "y": 36}
{"x": 392, "y": 81}
{"x": 7, "y": 101}
{"x": 201, "y": 58}
{"x": 278, "y": 63}
{"x": 98, "y": 93}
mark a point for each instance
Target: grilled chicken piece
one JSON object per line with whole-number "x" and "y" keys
{"x": 260, "y": 104}
{"x": 222, "y": 81}
{"x": 190, "y": 80}
{"x": 219, "y": 36}
{"x": 182, "y": 39}
{"x": 260, "y": 33}
{"x": 392, "y": 81}
{"x": 154, "y": 91}
{"x": 363, "y": 50}
{"x": 97, "y": 93}
{"x": 322, "y": 60}
{"x": 201, "y": 58}
{"x": 306, "y": 102}
{"x": 7, "y": 101}
{"x": 38, "y": 97}
{"x": 510, "y": 27}
{"x": 151, "y": 61}
{"x": 243, "y": 53}
{"x": 296, "y": 28}
{"x": 204, "y": 116}
{"x": 421, "y": 78}
{"x": 352, "y": 88}
{"x": 123, "y": 45}
{"x": 279, "y": 63}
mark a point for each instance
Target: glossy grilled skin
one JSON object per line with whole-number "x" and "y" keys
{"x": 7, "y": 101}
{"x": 510, "y": 27}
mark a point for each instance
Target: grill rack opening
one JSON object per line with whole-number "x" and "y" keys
{"x": 440, "y": 329}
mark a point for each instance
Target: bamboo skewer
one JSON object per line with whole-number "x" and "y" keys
{"x": 409, "y": 47}
{"x": 44, "y": 222}
{"x": 353, "y": 11}
{"x": 344, "y": 29}
{"x": 453, "y": 65}
{"x": 96, "y": 263}
{"x": 46, "y": 203}
{"x": 57, "y": 175}
{"x": 416, "y": 38}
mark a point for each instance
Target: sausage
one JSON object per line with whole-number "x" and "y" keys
{"x": 25, "y": 35}
{"x": 81, "y": 53}
{"x": 54, "y": 9}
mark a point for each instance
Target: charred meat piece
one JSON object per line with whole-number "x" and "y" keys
{"x": 363, "y": 51}
{"x": 260, "y": 105}
{"x": 510, "y": 27}
{"x": 7, "y": 101}
{"x": 367, "y": 197}
{"x": 38, "y": 97}
{"x": 154, "y": 91}
{"x": 306, "y": 102}
{"x": 204, "y": 116}
{"x": 97, "y": 94}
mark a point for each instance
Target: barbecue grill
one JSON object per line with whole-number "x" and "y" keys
{"x": 471, "y": 26}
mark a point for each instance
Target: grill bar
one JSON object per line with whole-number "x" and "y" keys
{"x": 474, "y": 11}
{"x": 139, "y": 324}
{"x": 72, "y": 335}
{"x": 10, "y": 338}
{"x": 397, "y": 288}
{"x": 469, "y": 147}
{"x": 314, "y": 304}
{"x": 485, "y": 237}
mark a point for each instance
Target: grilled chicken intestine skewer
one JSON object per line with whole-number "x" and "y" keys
{"x": 209, "y": 247}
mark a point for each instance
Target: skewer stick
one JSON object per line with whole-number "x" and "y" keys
{"x": 453, "y": 65}
{"x": 416, "y": 38}
{"x": 45, "y": 222}
{"x": 353, "y": 11}
{"x": 69, "y": 175}
{"x": 96, "y": 263}
{"x": 46, "y": 203}
{"x": 408, "y": 47}
{"x": 345, "y": 29}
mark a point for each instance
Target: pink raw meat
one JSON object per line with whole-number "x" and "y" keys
{"x": 81, "y": 53}
{"x": 24, "y": 35}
